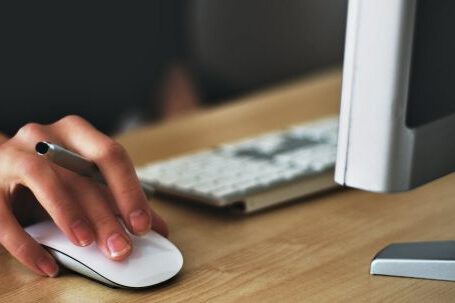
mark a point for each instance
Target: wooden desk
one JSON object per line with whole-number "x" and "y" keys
{"x": 317, "y": 250}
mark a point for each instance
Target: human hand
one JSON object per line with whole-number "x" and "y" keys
{"x": 84, "y": 210}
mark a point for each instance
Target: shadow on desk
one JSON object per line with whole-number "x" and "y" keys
{"x": 235, "y": 212}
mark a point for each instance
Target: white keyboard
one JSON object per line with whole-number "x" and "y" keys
{"x": 253, "y": 173}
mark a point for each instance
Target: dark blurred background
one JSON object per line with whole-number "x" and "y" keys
{"x": 120, "y": 64}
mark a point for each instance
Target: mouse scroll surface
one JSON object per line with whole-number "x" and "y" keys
{"x": 154, "y": 259}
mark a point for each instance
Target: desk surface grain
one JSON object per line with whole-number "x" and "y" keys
{"x": 316, "y": 250}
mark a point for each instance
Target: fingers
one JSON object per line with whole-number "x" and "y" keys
{"x": 38, "y": 175}
{"x": 83, "y": 215}
{"x": 113, "y": 162}
{"x": 3, "y": 138}
{"x": 22, "y": 246}
{"x": 31, "y": 133}
{"x": 159, "y": 225}
{"x": 110, "y": 235}
{"x": 116, "y": 168}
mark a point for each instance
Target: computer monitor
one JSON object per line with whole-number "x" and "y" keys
{"x": 397, "y": 120}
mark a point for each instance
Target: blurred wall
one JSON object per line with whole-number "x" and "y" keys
{"x": 240, "y": 45}
{"x": 97, "y": 59}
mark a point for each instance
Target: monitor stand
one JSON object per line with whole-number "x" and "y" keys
{"x": 425, "y": 260}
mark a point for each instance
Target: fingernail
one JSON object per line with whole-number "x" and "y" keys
{"x": 140, "y": 222}
{"x": 118, "y": 246}
{"x": 82, "y": 232}
{"x": 48, "y": 266}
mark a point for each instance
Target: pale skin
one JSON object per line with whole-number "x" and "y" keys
{"x": 85, "y": 211}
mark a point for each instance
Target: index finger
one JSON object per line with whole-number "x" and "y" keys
{"x": 117, "y": 169}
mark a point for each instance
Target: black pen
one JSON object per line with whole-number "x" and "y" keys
{"x": 75, "y": 163}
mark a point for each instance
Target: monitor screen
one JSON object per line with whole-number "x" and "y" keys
{"x": 432, "y": 98}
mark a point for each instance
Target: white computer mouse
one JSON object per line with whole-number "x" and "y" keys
{"x": 154, "y": 258}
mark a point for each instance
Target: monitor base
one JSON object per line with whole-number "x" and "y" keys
{"x": 423, "y": 260}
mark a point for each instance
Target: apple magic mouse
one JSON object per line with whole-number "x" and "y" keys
{"x": 154, "y": 258}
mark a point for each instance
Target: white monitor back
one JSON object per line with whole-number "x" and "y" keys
{"x": 377, "y": 149}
